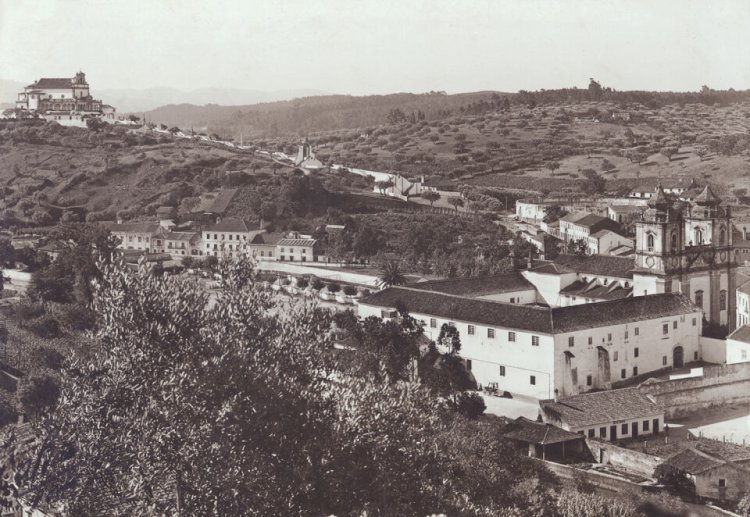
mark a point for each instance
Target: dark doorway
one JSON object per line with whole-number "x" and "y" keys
{"x": 656, "y": 425}
{"x": 612, "y": 433}
{"x": 634, "y": 430}
{"x": 678, "y": 357}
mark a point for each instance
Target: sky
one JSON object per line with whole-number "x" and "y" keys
{"x": 364, "y": 47}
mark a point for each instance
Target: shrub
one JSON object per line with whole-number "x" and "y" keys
{"x": 302, "y": 283}
{"x": 45, "y": 327}
{"x": 350, "y": 290}
{"x": 317, "y": 284}
{"x": 38, "y": 393}
{"x": 471, "y": 405}
{"x": 47, "y": 357}
{"x": 29, "y": 310}
{"x": 334, "y": 287}
{"x": 77, "y": 317}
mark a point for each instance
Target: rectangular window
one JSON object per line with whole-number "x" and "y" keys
{"x": 512, "y": 336}
{"x": 664, "y": 360}
{"x": 609, "y": 337}
{"x": 471, "y": 330}
{"x": 230, "y": 236}
{"x": 571, "y": 341}
{"x": 695, "y": 321}
{"x": 602, "y": 432}
{"x": 695, "y": 355}
{"x": 674, "y": 324}
{"x": 722, "y": 483}
{"x": 433, "y": 323}
{"x": 635, "y": 371}
{"x": 534, "y": 340}
{"x": 502, "y": 371}
{"x": 636, "y": 331}
{"x": 512, "y": 300}
{"x": 646, "y": 424}
{"x": 591, "y": 433}
{"x": 589, "y": 380}
{"x": 532, "y": 380}
{"x": 635, "y": 352}
{"x": 468, "y": 364}
{"x": 615, "y": 356}
{"x": 491, "y": 333}
{"x": 624, "y": 429}
{"x": 591, "y": 340}
{"x": 665, "y": 329}
{"x": 623, "y": 373}
{"x": 626, "y": 335}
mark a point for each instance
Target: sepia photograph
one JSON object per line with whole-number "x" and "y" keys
{"x": 374, "y": 258}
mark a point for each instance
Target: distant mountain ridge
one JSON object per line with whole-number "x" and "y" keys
{"x": 131, "y": 100}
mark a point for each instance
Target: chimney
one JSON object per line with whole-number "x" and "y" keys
{"x": 556, "y": 393}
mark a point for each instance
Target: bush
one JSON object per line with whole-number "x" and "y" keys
{"x": 45, "y": 327}
{"x": 350, "y": 290}
{"x": 38, "y": 393}
{"x": 47, "y": 357}
{"x": 317, "y": 284}
{"x": 334, "y": 287}
{"x": 77, "y": 317}
{"x": 471, "y": 405}
{"x": 29, "y": 310}
{"x": 302, "y": 283}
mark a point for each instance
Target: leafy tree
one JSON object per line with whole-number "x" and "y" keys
{"x": 669, "y": 152}
{"x": 552, "y": 166}
{"x": 7, "y": 253}
{"x": 390, "y": 273}
{"x": 38, "y": 393}
{"x": 383, "y": 185}
{"x": 95, "y": 123}
{"x": 456, "y": 202}
{"x": 676, "y": 479}
{"x": 431, "y": 196}
{"x": 449, "y": 338}
{"x": 553, "y": 213}
{"x": 471, "y": 405}
{"x": 578, "y": 247}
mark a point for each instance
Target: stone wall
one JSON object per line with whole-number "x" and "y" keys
{"x": 634, "y": 461}
{"x": 721, "y": 384}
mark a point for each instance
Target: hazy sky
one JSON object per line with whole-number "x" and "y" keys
{"x": 379, "y": 46}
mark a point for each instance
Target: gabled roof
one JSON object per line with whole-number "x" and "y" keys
{"x": 693, "y": 461}
{"x": 551, "y": 268}
{"x": 741, "y": 334}
{"x": 590, "y": 220}
{"x": 179, "y": 236}
{"x": 600, "y": 407}
{"x": 532, "y": 318}
{"x": 602, "y": 265}
{"x": 593, "y": 289}
{"x": 52, "y": 83}
{"x": 231, "y": 225}
{"x": 525, "y": 430}
{"x": 216, "y": 203}
{"x": 268, "y": 239}
{"x": 479, "y": 286}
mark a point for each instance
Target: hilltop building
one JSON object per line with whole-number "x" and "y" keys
{"x": 67, "y": 101}
{"x": 305, "y": 158}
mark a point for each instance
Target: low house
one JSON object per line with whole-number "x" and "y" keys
{"x": 544, "y": 441}
{"x": 531, "y": 210}
{"x": 715, "y": 474}
{"x": 178, "y": 244}
{"x": 624, "y": 214}
{"x": 604, "y": 242}
{"x": 582, "y": 226}
{"x": 609, "y": 415}
{"x": 134, "y": 236}
{"x": 263, "y": 246}
{"x": 297, "y": 249}
{"x": 738, "y": 345}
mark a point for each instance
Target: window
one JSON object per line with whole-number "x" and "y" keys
{"x": 743, "y": 354}
{"x": 609, "y": 337}
{"x": 512, "y": 300}
{"x": 230, "y": 236}
{"x": 635, "y": 371}
{"x": 635, "y": 352}
{"x": 665, "y": 329}
{"x": 591, "y": 433}
{"x": 571, "y": 341}
{"x": 674, "y": 241}
{"x": 722, "y": 300}
{"x": 471, "y": 330}
{"x": 433, "y": 321}
{"x": 626, "y": 335}
{"x": 623, "y": 373}
{"x": 646, "y": 425}
{"x": 695, "y": 321}
{"x": 650, "y": 242}
{"x": 468, "y": 364}
{"x": 532, "y": 380}
{"x": 589, "y": 380}
{"x": 534, "y": 340}
{"x": 699, "y": 298}
{"x": 624, "y": 429}
{"x": 722, "y": 237}
{"x": 636, "y": 331}
{"x": 722, "y": 483}
{"x": 698, "y": 236}
{"x": 491, "y": 333}
{"x": 616, "y": 356}
{"x": 512, "y": 336}
{"x": 602, "y": 432}
{"x": 664, "y": 360}
{"x": 591, "y": 340}
{"x": 215, "y": 237}
{"x": 502, "y": 371}
{"x": 695, "y": 355}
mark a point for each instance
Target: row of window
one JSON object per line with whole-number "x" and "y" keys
{"x": 697, "y": 234}
{"x": 722, "y": 299}
{"x": 532, "y": 378}
{"x": 625, "y": 429}
{"x": 231, "y": 236}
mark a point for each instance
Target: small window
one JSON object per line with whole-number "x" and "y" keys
{"x": 433, "y": 321}
{"x": 602, "y": 432}
{"x": 626, "y": 335}
{"x": 502, "y": 371}
{"x": 699, "y": 298}
{"x": 591, "y": 340}
{"x": 532, "y": 380}
{"x": 609, "y": 337}
{"x": 616, "y": 356}
{"x": 695, "y": 321}
{"x": 589, "y": 380}
{"x": 665, "y": 329}
{"x": 722, "y": 300}
{"x": 512, "y": 337}
{"x": 623, "y": 373}
{"x": 571, "y": 341}
{"x": 534, "y": 340}
{"x": 491, "y": 333}
{"x": 695, "y": 355}
{"x": 722, "y": 483}
{"x": 624, "y": 428}
{"x": 468, "y": 364}
{"x": 636, "y": 331}
{"x": 674, "y": 324}
{"x": 635, "y": 352}
{"x": 512, "y": 300}
{"x": 664, "y": 360}
{"x": 635, "y": 371}
{"x": 471, "y": 330}
{"x": 591, "y": 433}
{"x": 646, "y": 424}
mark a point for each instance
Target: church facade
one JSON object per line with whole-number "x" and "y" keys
{"x": 686, "y": 247}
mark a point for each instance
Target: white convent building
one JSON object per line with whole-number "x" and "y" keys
{"x": 67, "y": 101}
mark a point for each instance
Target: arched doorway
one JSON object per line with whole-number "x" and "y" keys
{"x": 678, "y": 357}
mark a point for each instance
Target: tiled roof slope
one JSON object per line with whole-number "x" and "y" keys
{"x": 473, "y": 287}
{"x": 600, "y": 407}
{"x": 604, "y": 265}
{"x": 142, "y": 227}
{"x": 741, "y": 334}
{"x": 532, "y": 318}
{"x": 525, "y": 430}
{"x": 297, "y": 242}
{"x": 231, "y": 225}
{"x": 52, "y": 83}
{"x": 693, "y": 462}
